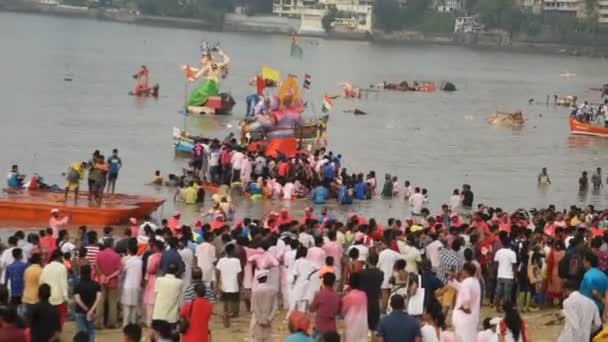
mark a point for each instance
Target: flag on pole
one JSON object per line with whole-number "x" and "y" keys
{"x": 327, "y": 104}
{"x": 307, "y": 79}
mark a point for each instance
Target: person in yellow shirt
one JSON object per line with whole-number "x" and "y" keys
{"x": 190, "y": 193}
{"x": 73, "y": 177}
{"x": 31, "y": 280}
{"x": 575, "y": 221}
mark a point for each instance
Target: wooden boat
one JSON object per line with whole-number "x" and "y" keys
{"x": 35, "y": 207}
{"x": 582, "y": 128}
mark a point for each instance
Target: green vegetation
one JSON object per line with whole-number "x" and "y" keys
{"x": 503, "y": 15}
{"x": 417, "y": 15}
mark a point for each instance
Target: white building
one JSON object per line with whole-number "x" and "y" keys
{"x": 467, "y": 25}
{"x": 311, "y": 13}
{"x": 602, "y": 11}
{"x": 448, "y": 6}
{"x": 565, "y": 7}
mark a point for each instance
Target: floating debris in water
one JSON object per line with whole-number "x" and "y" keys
{"x": 67, "y": 79}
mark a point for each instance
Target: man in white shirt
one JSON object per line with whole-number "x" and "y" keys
{"x": 229, "y": 269}
{"x": 416, "y": 202}
{"x": 306, "y": 239}
{"x": 55, "y": 275}
{"x": 131, "y": 285}
{"x": 7, "y": 257}
{"x": 432, "y": 251}
{"x": 506, "y": 259}
{"x": 237, "y": 164}
{"x": 358, "y": 244}
{"x": 455, "y": 200}
{"x": 288, "y": 190}
{"x": 581, "y": 313}
{"x": 410, "y": 254}
{"x": 205, "y": 258}
{"x": 386, "y": 264}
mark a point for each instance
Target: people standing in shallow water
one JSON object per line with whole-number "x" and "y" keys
{"x": 543, "y": 178}
{"x": 596, "y": 179}
{"x": 583, "y": 182}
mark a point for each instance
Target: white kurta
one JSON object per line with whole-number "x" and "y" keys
{"x": 582, "y": 318}
{"x": 188, "y": 258}
{"x": 305, "y": 279}
{"x": 468, "y": 296}
{"x": 205, "y": 257}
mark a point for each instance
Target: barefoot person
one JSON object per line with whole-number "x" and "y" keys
{"x": 73, "y": 177}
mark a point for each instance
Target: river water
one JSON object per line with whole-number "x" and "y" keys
{"x": 438, "y": 141}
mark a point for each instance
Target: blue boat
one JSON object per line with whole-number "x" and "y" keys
{"x": 182, "y": 142}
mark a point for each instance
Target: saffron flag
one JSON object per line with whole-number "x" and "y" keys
{"x": 327, "y": 104}
{"x": 306, "y": 84}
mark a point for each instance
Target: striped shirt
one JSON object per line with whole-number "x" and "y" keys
{"x": 92, "y": 251}
{"x": 189, "y": 292}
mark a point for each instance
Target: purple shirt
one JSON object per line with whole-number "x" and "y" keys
{"x": 327, "y": 305}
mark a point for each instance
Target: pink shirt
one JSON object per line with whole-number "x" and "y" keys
{"x": 263, "y": 261}
{"x": 174, "y": 225}
{"x": 108, "y": 262}
{"x": 316, "y": 255}
{"x": 57, "y": 224}
{"x": 334, "y": 250}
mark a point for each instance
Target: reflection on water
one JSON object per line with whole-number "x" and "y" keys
{"x": 438, "y": 141}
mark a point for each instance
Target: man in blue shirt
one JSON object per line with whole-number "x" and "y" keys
{"x": 345, "y": 195}
{"x": 398, "y": 326}
{"x": 595, "y": 282}
{"x": 319, "y": 195}
{"x": 14, "y": 179}
{"x": 171, "y": 256}
{"x": 114, "y": 165}
{"x": 360, "y": 188}
{"x": 328, "y": 171}
{"x": 14, "y": 276}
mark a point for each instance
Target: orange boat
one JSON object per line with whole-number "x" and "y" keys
{"x": 577, "y": 127}
{"x": 35, "y": 207}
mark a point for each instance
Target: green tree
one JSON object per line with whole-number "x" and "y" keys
{"x": 253, "y": 7}
{"x": 329, "y": 17}
{"x": 387, "y": 15}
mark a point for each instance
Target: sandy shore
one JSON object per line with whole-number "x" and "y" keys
{"x": 538, "y": 328}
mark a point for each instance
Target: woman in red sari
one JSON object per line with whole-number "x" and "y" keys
{"x": 554, "y": 282}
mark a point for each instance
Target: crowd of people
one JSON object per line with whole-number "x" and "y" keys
{"x": 421, "y": 279}
{"x": 319, "y": 175}
{"x": 590, "y": 114}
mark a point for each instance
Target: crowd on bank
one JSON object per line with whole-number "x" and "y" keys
{"x": 427, "y": 274}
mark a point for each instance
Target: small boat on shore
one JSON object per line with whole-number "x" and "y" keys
{"x": 582, "y": 128}
{"x": 35, "y": 207}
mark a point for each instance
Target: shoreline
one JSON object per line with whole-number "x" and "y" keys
{"x": 488, "y": 41}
